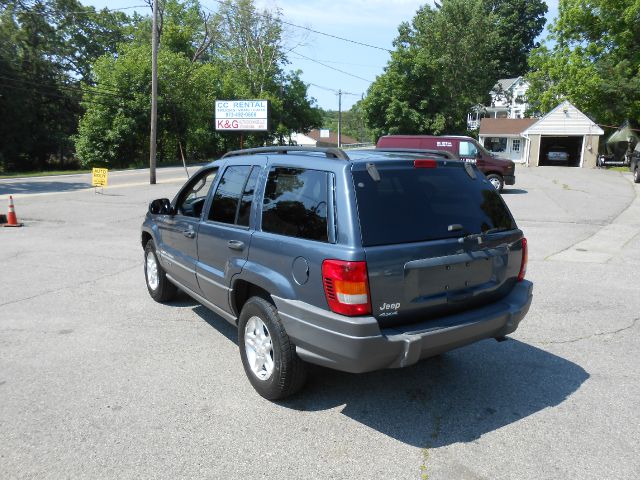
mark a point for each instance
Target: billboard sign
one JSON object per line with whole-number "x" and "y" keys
{"x": 242, "y": 115}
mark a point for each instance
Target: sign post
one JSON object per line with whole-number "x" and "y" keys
{"x": 99, "y": 178}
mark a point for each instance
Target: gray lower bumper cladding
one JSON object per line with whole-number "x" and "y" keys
{"x": 357, "y": 344}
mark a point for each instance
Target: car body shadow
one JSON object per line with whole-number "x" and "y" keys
{"x": 513, "y": 191}
{"x": 217, "y": 322}
{"x": 455, "y": 397}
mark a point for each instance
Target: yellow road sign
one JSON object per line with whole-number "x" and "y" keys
{"x": 99, "y": 177}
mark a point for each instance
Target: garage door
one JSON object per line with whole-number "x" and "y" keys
{"x": 560, "y": 151}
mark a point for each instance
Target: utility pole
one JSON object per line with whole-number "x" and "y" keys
{"x": 154, "y": 95}
{"x": 340, "y": 118}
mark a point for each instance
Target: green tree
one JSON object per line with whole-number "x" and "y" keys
{"x": 295, "y": 111}
{"x": 115, "y": 132}
{"x": 517, "y": 24}
{"x": 593, "y": 60}
{"x": 442, "y": 65}
{"x": 46, "y": 47}
{"x": 234, "y": 53}
{"x": 250, "y": 49}
{"x": 353, "y": 122}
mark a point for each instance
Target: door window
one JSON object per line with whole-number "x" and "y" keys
{"x": 232, "y": 200}
{"x": 295, "y": 203}
{"x": 468, "y": 149}
{"x": 193, "y": 197}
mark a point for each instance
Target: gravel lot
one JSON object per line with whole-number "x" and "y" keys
{"x": 98, "y": 381}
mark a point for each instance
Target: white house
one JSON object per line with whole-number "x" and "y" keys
{"x": 320, "y": 138}
{"x": 508, "y": 100}
{"x": 503, "y": 136}
{"x": 529, "y": 140}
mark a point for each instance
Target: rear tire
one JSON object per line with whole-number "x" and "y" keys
{"x": 496, "y": 180}
{"x": 268, "y": 356}
{"x": 636, "y": 174}
{"x": 160, "y": 288}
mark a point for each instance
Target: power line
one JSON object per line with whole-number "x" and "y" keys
{"x": 336, "y": 37}
{"x": 70, "y": 88}
{"x": 334, "y": 90}
{"x": 348, "y": 63}
{"x": 334, "y": 68}
{"x": 233, "y": 7}
{"x": 54, "y": 95}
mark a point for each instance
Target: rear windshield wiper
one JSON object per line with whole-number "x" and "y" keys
{"x": 475, "y": 236}
{"x": 495, "y": 230}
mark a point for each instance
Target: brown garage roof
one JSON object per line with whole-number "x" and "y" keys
{"x": 332, "y": 139}
{"x": 505, "y": 126}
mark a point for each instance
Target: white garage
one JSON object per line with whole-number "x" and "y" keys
{"x": 564, "y": 129}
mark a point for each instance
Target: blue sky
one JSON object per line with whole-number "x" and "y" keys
{"x": 374, "y": 22}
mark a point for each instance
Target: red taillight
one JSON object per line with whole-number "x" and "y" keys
{"x": 525, "y": 259}
{"x": 346, "y": 286}
{"x": 425, "y": 163}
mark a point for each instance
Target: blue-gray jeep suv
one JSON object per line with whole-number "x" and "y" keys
{"x": 356, "y": 264}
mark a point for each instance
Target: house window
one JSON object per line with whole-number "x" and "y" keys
{"x": 496, "y": 144}
{"x": 515, "y": 146}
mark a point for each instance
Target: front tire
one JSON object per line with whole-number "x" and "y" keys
{"x": 636, "y": 174}
{"x": 496, "y": 180}
{"x": 159, "y": 287}
{"x": 268, "y": 356}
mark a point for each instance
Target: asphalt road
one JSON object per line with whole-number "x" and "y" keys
{"x": 98, "y": 381}
{"x": 72, "y": 183}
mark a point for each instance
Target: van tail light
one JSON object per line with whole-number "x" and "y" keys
{"x": 346, "y": 285}
{"x": 525, "y": 259}
{"x": 425, "y": 163}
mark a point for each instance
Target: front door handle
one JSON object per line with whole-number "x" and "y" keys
{"x": 235, "y": 245}
{"x": 189, "y": 233}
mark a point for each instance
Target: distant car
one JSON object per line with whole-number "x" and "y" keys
{"x": 634, "y": 164}
{"x": 558, "y": 155}
{"x": 499, "y": 171}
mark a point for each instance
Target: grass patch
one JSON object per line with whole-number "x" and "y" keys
{"x": 618, "y": 169}
{"x": 51, "y": 173}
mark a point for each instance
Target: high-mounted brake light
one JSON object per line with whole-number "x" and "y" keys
{"x": 525, "y": 259}
{"x": 346, "y": 285}
{"x": 425, "y": 163}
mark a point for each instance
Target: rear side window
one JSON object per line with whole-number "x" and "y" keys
{"x": 417, "y": 204}
{"x": 295, "y": 203}
{"x": 234, "y": 194}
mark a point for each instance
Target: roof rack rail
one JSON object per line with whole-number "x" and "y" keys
{"x": 427, "y": 151}
{"x": 329, "y": 152}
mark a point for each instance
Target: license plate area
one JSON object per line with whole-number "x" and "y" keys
{"x": 438, "y": 277}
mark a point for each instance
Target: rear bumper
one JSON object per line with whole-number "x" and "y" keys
{"x": 359, "y": 345}
{"x": 509, "y": 179}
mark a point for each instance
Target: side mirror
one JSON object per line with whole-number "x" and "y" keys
{"x": 161, "y": 206}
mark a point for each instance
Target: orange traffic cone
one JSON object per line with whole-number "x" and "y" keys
{"x": 12, "y": 220}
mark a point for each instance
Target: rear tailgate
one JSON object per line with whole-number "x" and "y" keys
{"x": 437, "y": 240}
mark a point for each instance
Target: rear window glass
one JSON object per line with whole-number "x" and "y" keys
{"x": 416, "y": 204}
